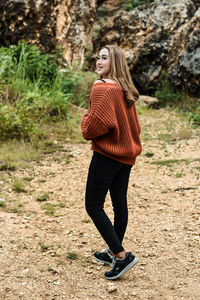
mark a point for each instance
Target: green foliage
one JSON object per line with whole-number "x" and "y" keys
{"x": 28, "y": 63}
{"x": 194, "y": 117}
{"x": 170, "y": 162}
{"x": 149, "y": 154}
{"x": 130, "y": 4}
{"x": 17, "y": 185}
{"x": 45, "y": 247}
{"x": 2, "y": 203}
{"x": 27, "y": 178}
{"x": 168, "y": 96}
{"x": 15, "y": 123}
{"x": 165, "y": 92}
{"x": 36, "y": 88}
{"x": 179, "y": 174}
{"x": 83, "y": 91}
{"x": 49, "y": 208}
{"x": 14, "y": 154}
{"x": 72, "y": 256}
{"x": 43, "y": 197}
{"x": 70, "y": 79}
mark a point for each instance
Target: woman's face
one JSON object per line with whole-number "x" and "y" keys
{"x": 103, "y": 63}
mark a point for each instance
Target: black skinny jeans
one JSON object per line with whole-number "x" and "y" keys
{"x": 108, "y": 174}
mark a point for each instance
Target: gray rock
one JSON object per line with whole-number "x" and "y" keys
{"x": 184, "y": 62}
{"x": 163, "y": 35}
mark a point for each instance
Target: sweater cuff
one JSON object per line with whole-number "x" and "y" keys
{"x": 92, "y": 127}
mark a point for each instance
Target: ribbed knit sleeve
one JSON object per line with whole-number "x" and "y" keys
{"x": 112, "y": 126}
{"x": 101, "y": 118}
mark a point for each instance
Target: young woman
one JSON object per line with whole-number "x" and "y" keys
{"x": 113, "y": 127}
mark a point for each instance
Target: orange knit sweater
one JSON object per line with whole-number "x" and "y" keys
{"x": 113, "y": 127}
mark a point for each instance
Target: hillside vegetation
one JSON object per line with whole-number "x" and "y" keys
{"x": 40, "y": 95}
{"x": 37, "y": 89}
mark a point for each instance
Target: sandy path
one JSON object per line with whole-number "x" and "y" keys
{"x": 50, "y": 256}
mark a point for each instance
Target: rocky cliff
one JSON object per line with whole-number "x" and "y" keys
{"x": 163, "y": 35}
{"x": 67, "y": 23}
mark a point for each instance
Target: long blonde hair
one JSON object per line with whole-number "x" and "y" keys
{"x": 119, "y": 72}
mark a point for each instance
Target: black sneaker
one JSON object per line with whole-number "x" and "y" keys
{"x": 104, "y": 257}
{"x": 121, "y": 266}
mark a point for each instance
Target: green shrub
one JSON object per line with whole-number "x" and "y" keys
{"x": 70, "y": 78}
{"x": 49, "y": 208}
{"x": 83, "y": 90}
{"x": 17, "y": 185}
{"x": 43, "y": 197}
{"x": 166, "y": 93}
{"x": 8, "y": 68}
{"x": 15, "y": 123}
{"x": 194, "y": 117}
{"x": 2, "y": 202}
{"x": 130, "y": 4}
{"x": 36, "y": 88}
{"x": 31, "y": 64}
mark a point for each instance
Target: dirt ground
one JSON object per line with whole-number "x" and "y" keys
{"x": 47, "y": 239}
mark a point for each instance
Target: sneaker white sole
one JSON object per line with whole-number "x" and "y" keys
{"x": 124, "y": 270}
{"x": 102, "y": 261}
